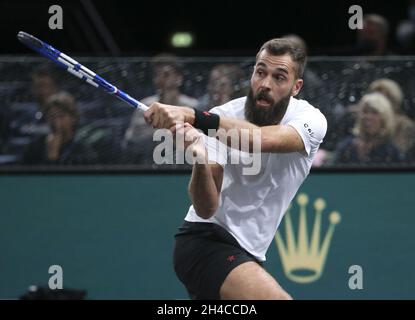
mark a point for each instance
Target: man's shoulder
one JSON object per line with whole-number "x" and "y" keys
{"x": 302, "y": 105}
{"x": 302, "y": 108}
{"x": 308, "y": 120}
{"x": 233, "y": 108}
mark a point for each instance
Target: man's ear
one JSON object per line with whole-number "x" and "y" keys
{"x": 297, "y": 87}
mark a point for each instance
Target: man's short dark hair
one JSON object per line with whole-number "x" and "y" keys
{"x": 281, "y": 46}
{"x": 64, "y": 102}
{"x": 168, "y": 59}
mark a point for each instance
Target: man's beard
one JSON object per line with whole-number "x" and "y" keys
{"x": 265, "y": 116}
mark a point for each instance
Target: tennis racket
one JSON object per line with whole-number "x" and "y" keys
{"x": 77, "y": 69}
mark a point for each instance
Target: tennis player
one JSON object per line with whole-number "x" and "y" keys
{"x": 220, "y": 248}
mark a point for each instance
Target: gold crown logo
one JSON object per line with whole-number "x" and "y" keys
{"x": 303, "y": 260}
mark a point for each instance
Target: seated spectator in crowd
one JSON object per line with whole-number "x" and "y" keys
{"x": 404, "y": 136}
{"x": 323, "y": 158}
{"x": 372, "y": 142}
{"x": 44, "y": 85}
{"x": 60, "y": 145}
{"x": 225, "y": 83}
{"x": 138, "y": 142}
{"x": 22, "y": 117}
{"x": 372, "y": 40}
{"x": 167, "y": 80}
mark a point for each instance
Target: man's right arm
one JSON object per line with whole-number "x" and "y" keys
{"x": 204, "y": 188}
{"x": 206, "y": 181}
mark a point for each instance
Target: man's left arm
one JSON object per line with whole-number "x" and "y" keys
{"x": 275, "y": 138}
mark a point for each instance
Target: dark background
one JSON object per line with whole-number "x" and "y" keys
{"x": 224, "y": 27}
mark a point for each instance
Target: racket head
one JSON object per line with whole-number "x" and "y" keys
{"x": 29, "y": 40}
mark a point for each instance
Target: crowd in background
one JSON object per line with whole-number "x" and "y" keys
{"x": 372, "y": 124}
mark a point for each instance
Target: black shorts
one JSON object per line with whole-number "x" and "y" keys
{"x": 204, "y": 254}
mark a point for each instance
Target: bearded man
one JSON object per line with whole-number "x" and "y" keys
{"x": 220, "y": 248}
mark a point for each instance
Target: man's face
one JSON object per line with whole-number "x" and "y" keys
{"x": 166, "y": 78}
{"x": 60, "y": 121}
{"x": 273, "y": 82}
{"x": 219, "y": 87}
{"x": 372, "y": 122}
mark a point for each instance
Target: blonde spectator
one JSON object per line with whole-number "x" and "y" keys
{"x": 373, "y": 133}
{"x": 404, "y": 135}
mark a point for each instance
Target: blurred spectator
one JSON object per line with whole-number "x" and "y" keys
{"x": 322, "y": 158}
{"x": 225, "y": 83}
{"x": 373, "y": 38}
{"x": 404, "y": 135}
{"x": 44, "y": 85}
{"x": 138, "y": 142}
{"x": 60, "y": 145}
{"x": 167, "y": 80}
{"x": 26, "y": 119}
{"x": 405, "y": 32}
{"x": 372, "y": 41}
{"x": 372, "y": 142}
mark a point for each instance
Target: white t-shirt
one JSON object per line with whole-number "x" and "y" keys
{"x": 252, "y": 206}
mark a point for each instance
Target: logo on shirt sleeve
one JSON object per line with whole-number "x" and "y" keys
{"x": 307, "y": 127}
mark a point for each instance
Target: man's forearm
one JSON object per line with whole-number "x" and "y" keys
{"x": 248, "y": 134}
{"x": 255, "y": 139}
{"x": 251, "y": 138}
{"x": 229, "y": 129}
{"x": 203, "y": 191}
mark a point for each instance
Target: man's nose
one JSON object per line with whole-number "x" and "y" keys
{"x": 266, "y": 83}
